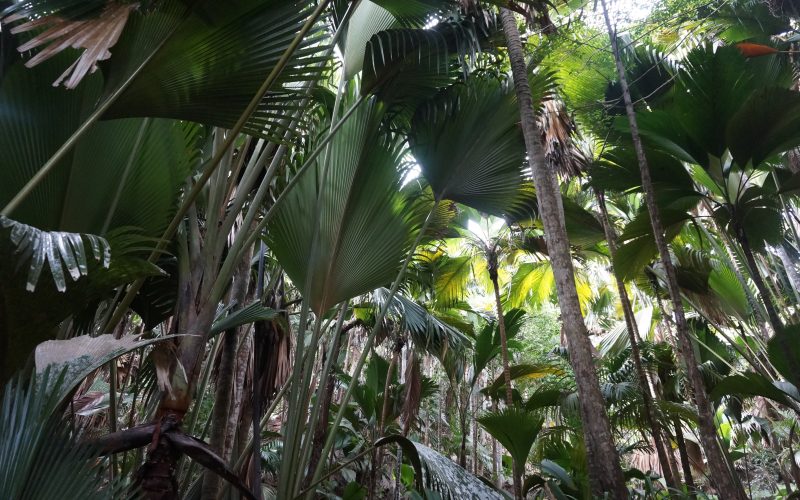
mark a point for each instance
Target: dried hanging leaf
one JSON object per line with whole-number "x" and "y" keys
{"x": 170, "y": 374}
{"x": 96, "y": 36}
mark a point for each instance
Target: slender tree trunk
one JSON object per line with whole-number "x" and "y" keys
{"x": 237, "y": 422}
{"x": 603, "y": 459}
{"x": 498, "y": 482}
{"x": 726, "y": 483}
{"x": 226, "y": 378}
{"x": 501, "y": 326}
{"x": 685, "y": 464}
{"x": 633, "y": 336}
{"x": 474, "y": 436}
{"x": 377, "y": 454}
{"x": 463, "y": 427}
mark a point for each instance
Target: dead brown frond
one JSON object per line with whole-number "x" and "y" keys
{"x": 562, "y": 152}
{"x": 95, "y": 35}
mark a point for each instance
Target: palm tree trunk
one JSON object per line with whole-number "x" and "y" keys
{"x": 474, "y": 436}
{"x": 495, "y": 462}
{"x": 726, "y": 483}
{"x": 633, "y": 335}
{"x": 603, "y": 460}
{"x": 687, "y": 467}
{"x": 501, "y": 326}
{"x": 226, "y": 377}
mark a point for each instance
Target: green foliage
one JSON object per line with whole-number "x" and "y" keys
{"x": 361, "y": 231}
{"x": 515, "y": 429}
{"x": 784, "y": 351}
{"x": 210, "y": 68}
{"x": 469, "y": 146}
{"x": 39, "y": 458}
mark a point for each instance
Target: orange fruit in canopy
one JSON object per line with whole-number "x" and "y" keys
{"x": 755, "y": 49}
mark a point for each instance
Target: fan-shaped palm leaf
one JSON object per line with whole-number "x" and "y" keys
{"x": 60, "y": 250}
{"x": 121, "y": 173}
{"x": 363, "y": 233}
{"x": 406, "y": 66}
{"x": 515, "y": 428}
{"x": 210, "y": 68}
{"x": 38, "y": 457}
{"x": 469, "y": 145}
{"x": 449, "y": 480}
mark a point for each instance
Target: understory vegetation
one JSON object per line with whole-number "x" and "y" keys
{"x": 424, "y": 249}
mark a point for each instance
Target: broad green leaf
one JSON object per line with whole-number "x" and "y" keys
{"x": 784, "y": 353}
{"x": 469, "y": 145}
{"x": 363, "y": 231}
{"x": 80, "y": 356}
{"x": 516, "y": 429}
{"x": 210, "y": 68}
{"x": 250, "y": 314}
{"x": 748, "y": 385}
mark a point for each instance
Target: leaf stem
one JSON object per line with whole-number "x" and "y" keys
{"x": 368, "y": 345}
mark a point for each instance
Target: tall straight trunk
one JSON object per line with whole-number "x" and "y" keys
{"x": 633, "y": 336}
{"x": 726, "y": 483}
{"x": 603, "y": 460}
{"x": 498, "y": 482}
{"x": 474, "y": 436}
{"x": 463, "y": 428}
{"x": 501, "y": 326}
{"x": 226, "y": 378}
{"x": 687, "y": 466}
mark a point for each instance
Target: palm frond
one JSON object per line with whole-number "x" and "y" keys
{"x": 121, "y": 173}
{"x": 404, "y": 67}
{"x": 246, "y": 315}
{"x": 469, "y": 145}
{"x": 533, "y": 281}
{"x": 39, "y": 459}
{"x": 209, "y": 70}
{"x": 522, "y": 372}
{"x": 516, "y": 429}
{"x": 95, "y": 34}
{"x": 427, "y": 331}
{"x": 61, "y": 251}
{"x": 79, "y": 356}
{"x": 363, "y": 232}
{"x": 452, "y": 275}
{"x": 449, "y": 480}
